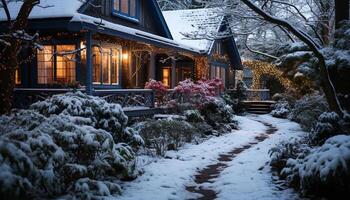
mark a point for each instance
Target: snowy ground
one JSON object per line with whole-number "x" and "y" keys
{"x": 247, "y": 176}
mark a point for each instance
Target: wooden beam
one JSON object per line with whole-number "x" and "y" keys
{"x": 88, "y": 38}
{"x": 152, "y": 66}
{"x": 173, "y": 72}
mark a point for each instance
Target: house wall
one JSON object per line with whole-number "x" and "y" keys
{"x": 219, "y": 59}
{"x": 148, "y": 19}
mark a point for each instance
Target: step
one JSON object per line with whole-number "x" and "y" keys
{"x": 258, "y": 112}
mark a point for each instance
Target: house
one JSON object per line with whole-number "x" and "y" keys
{"x": 205, "y": 30}
{"x": 108, "y": 46}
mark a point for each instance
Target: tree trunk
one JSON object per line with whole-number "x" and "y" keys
{"x": 9, "y": 54}
{"x": 7, "y": 85}
{"x": 341, "y": 11}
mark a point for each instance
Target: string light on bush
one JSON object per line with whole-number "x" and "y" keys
{"x": 263, "y": 68}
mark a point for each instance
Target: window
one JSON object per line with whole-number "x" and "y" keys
{"x": 106, "y": 66}
{"x": 166, "y": 77}
{"x": 65, "y": 65}
{"x": 56, "y": 67}
{"x": 18, "y": 77}
{"x": 126, "y": 8}
{"x": 219, "y": 72}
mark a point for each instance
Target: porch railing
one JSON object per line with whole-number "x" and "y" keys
{"x": 128, "y": 97}
{"x": 258, "y": 95}
{"x": 24, "y": 97}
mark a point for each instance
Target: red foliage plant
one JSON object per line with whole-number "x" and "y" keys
{"x": 198, "y": 93}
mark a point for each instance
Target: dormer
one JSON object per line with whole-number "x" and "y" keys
{"x": 127, "y": 9}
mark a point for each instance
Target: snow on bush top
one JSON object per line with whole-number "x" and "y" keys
{"x": 103, "y": 115}
{"x": 330, "y": 160}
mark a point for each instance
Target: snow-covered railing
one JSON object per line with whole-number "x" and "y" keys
{"x": 128, "y": 97}
{"x": 24, "y": 97}
{"x": 124, "y": 97}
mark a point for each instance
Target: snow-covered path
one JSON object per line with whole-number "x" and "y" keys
{"x": 245, "y": 177}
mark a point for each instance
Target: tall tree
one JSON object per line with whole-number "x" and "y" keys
{"x": 12, "y": 42}
{"x": 327, "y": 84}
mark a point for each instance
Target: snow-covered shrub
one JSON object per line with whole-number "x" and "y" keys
{"x": 320, "y": 171}
{"x": 219, "y": 115}
{"x": 193, "y": 116}
{"x": 237, "y": 97}
{"x": 91, "y": 111}
{"x": 45, "y": 151}
{"x": 281, "y": 109}
{"x": 307, "y": 110}
{"x": 325, "y": 171}
{"x": 164, "y": 134}
{"x": 285, "y": 151}
{"x": 328, "y": 125}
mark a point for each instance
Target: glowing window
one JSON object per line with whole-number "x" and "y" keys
{"x": 166, "y": 77}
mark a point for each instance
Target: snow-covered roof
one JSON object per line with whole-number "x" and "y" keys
{"x": 46, "y": 9}
{"x": 69, "y": 9}
{"x": 82, "y": 18}
{"x": 199, "y": 22}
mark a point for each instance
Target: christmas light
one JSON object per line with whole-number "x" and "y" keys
{"x": 260, "y": 69}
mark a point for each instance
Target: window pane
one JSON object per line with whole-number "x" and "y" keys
{"x": 18, "y": 77}
{"x": 166, "y": 77}
{"x": 217, "y": 73}
{"x": 106, "y": 67}
{"x": 65, "y": 66}
{"x": 96, "y": 62}
{"x": 116, "y": 5}
{"x": 124, "y": 6}
{"x": 115, "y": 66}
{"x": 132, "y": 8}
{"x": 45, "y": 65}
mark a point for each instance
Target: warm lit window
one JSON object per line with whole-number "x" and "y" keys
{"x": 45, "y": 65}
{"x": 166, "y": 77}
{"x": 18, "y": 77}
{"x": 56, "y": 64}
{"x": 65, "y": 64}
{"x": 127, "y": 8}
{"x": 106, "y": 66}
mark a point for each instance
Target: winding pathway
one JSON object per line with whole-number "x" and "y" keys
{"x": 229, "y": 167}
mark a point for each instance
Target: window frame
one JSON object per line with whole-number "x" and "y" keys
{"x": 118, "y": 70}
{"x": 127, "y": 16}
{"x": 54, "y": 66}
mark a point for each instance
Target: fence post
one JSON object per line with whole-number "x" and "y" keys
{"x": 153, "y": 99}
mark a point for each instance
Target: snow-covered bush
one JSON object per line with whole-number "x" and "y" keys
{"x": 237, "y": 97}
{"x": 285, "y": 151}
{"x": 193, "y": 116}
{"x": 47, "y": 151}
{"x": 328, "y": 125}
{"x": 166, "y": 134}
{"x": 325, "y": 170}
{"x": 319, "y": 171}
{"x": 219, "y": 115}
{"x": 307, "y": 110}
{"x": 281, "y": 109}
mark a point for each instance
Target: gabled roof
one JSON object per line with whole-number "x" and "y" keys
{"x": 199, "y": 22}
{"x": 72, "y": 10}
{"x": 206, "y": 23}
